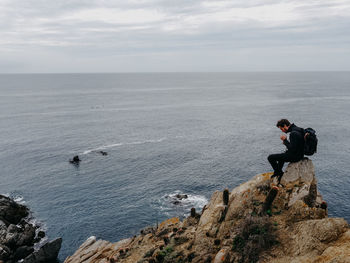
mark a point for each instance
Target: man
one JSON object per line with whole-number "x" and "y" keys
{"x": 295, "y": 147}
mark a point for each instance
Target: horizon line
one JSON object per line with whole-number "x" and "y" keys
{"x": 170, "y": 72}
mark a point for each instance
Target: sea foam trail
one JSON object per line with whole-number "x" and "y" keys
{"x": 104, "y": 147}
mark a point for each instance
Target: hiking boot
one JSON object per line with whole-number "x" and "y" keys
{"x": 277, "y": 174}
{"x": 280, "y": 177}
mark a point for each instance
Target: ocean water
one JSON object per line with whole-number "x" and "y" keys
{"x": 168, "y": 133}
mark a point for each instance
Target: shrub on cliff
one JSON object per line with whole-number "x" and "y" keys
{"x": 255, "y": 235}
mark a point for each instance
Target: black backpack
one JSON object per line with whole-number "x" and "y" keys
{"x": 310, "y": 145}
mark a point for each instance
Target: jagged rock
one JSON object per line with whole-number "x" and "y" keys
{"x": 41, "y": 234}
{"x": 23, "y": 252}
{"x": 17, "y": 236}
{"x": 276, "y": 224}
{"x": 47, "y": 253}
{"x": 5, "y": 252}
{"x": 301, "y": 211}
{"x": 10, "y": 211}
{"x": 337, "y": 252}
{"x": 28, "y": 235}
{"x": 13, "y": 229}
{"x": 181, "y": 196}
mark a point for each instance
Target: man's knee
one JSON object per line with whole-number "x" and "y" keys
{"x": 271, "y": 158}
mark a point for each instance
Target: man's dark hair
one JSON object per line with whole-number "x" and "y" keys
{"x": 282, "y": 123}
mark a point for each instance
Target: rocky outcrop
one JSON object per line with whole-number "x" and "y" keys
{"x": 258, "y": 221}
{"x": 18, "y": 236}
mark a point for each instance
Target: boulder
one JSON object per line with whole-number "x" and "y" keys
{"x": 47, "y": 253}
{"x": 28, "y": 235}
{"x": 10, "y": 211}
{"x": 23, "y": 252}
{"x": 5, "y": 252}
{"x": 299, "y": 172}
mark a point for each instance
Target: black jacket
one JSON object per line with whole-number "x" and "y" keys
{"x": 295, "y": 147}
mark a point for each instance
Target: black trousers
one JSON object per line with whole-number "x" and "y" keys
{"x": 277, "y": 161}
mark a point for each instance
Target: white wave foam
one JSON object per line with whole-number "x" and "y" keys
{"x": 18, "y": 198}
{"x": 104, "y": 147}
{"x": 173, "y": 205}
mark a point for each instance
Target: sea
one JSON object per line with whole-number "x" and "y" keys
{"x": 164, "y": 134}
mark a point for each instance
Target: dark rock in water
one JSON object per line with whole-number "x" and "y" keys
{"x": 177, "y": 198}
{"x": 10, "y": 211}
{"x": 103, "y": 152}
{"x": 41, "y": 234}
{"x": 47, "y": 253}
{"x": 75, "y": 160}
{"x": 23, "y": 252}
{"x": 180, "y": 196}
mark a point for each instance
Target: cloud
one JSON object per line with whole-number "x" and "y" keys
{"x": 101, "y": 28}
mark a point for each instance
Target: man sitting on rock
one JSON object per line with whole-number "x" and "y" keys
{"x": 295, "y": 147}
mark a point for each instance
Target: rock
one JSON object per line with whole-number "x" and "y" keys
{"x": 41, "y": 234}
{"x": 181, "y": 196}
{"x": 311, "y": 198}
{"x": 10, "y": 211}
{"x": 5, "y": 252}
{"x": 92, "y": 250}
{"x": 17, "y": 236}
{"x": 13, "y": 229}
{"x": 223, "y": 256}
{"x": 302, "y": 171}
{"x": 28, "y": 235}
{"x": 11, "y": 239}
{"x": 76, "y": 160}
{"x": 148, "y": 230}
{"x": 23, "y": 252}
{"x": 314, "y": 236}
{"x": 256, "y": 222}
{"x": 46, "y": 253}
{"x": 338, "y": 252}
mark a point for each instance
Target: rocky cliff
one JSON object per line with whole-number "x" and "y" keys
{"x": 258, "y": 221}
{"x": 20, "y": 240}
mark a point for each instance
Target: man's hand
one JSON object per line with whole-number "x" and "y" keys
{"x": 283, "y": 137}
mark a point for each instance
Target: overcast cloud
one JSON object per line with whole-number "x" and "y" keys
{"x": 181, "y": 35}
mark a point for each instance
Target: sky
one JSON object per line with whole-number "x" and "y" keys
{"x": 38, "y": 36}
